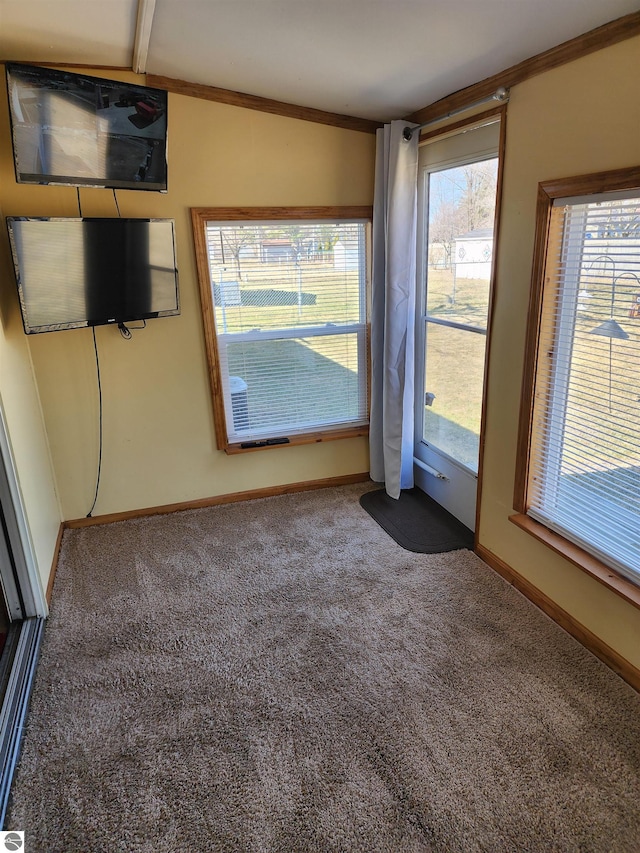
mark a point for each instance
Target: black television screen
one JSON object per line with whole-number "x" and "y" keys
{"x": 73, "y": 273}
{"x": 85, "y": 131}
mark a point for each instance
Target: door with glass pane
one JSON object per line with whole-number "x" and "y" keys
{"x": 457, "y": 206}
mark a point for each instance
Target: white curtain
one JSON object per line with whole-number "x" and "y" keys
{"x": 393, "y": 308}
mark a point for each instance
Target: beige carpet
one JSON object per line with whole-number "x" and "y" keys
{"x": 280, "y": 675}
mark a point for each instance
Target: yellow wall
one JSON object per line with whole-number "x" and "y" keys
{"x": 24, "y": 423}
{"x": 578, "y": 119}
{"x": 159, "y": 443}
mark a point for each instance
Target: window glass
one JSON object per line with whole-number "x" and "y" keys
{"x": 289, "y": 308}
{"x": 584, "y": 454}
{"x": 458, "y": 262}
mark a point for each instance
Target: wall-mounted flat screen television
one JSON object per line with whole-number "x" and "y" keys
{"x": 78, "y": 130}
{"x": 73, "y": 273}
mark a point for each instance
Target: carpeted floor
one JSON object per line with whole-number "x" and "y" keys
{"x": 280, "y": 675}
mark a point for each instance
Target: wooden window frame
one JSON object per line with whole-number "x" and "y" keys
{"x": 548, "y": 191}
{"x": 199, "y": 217}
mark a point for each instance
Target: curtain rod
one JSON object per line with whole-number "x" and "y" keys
{"x": 501, "y": 94}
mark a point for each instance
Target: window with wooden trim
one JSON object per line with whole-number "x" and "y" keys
{"x": 578, "y": 471}
{"x": 284, "y": 300}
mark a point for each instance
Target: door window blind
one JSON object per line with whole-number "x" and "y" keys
{"x": 584, "y": 473}
{"x": 290, "y": 316}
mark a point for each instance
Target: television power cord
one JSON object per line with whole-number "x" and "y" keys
{"x": 125, "y": 331}
{"x": 95, "y": 497}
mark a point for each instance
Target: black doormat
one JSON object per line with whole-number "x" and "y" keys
{"x": 417, "y": 522}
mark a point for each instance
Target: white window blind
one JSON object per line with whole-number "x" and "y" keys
{"x": 584, "y": 474}
{"x": 290, "y": 315}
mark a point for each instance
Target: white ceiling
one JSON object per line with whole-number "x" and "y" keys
{"x": 377, "y": 59}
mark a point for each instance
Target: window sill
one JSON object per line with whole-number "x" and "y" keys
{"x": 305, "y": 438}
{"x": 580, "y": 558}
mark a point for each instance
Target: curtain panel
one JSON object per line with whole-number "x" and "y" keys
{"x": 391, "y": 432}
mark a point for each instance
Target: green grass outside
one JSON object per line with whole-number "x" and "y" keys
{"x": 461, "y": 300}
{"x": 454, "y": 364}
{"x": 291, "y": 385}
{"x": 336, "y": 295}
{"x": 307, "y": 382}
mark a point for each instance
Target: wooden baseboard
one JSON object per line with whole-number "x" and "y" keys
{"x": 54, "y": 564}
{"x": 216, "y": 500}
{"x": 589, "y": 640}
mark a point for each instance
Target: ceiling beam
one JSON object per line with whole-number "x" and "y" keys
{"x": 265, "y": 105}
{"x": 144, "y": 22}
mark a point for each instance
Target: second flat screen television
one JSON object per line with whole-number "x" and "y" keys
{"x": 88, "y": 272}
{"x": 78, "y": 130}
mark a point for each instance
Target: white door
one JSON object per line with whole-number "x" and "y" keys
{"x": 456, "y": 216}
